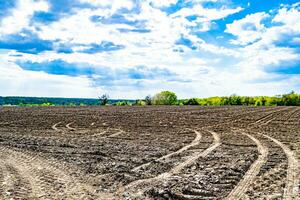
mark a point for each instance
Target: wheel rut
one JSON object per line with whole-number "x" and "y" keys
{"x": 68, "y": 126}
{"x": 14, "y": 185}
{"x": 291, "y": 190}
{"x": 115, "y": 134}
{"x": 194, "y": 157}
{"x": 44, "y": 180}
{"x": 26, "y": 173}
{"x": 54, "y": 127}
{"x": 193, "y": 143}
{"x": 239, "y": 191}
{"x": 95, "y": 135}
{"x": 131, "y": 187}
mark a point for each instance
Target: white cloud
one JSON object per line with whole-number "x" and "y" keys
{"x": 263, "y": 52}
{"x": 160, "y": 41}
{"x": 285, "y": 23}
{"x": 113, "y": 5}
{"x": 288, "y": 16}
{"x": 206, "y": 68}
{"x": 102, "y": 3}
{"x": 73, "y": 29}
{"x": 152, "y": 49}
{"x": 206, "y": 14}
{"x": 248, "y": 29}
{"x": 288, "y": 28}
{"x": 21, "y": 15}
{"x": 155, "y": 48}
{"x": 163, "y": 3}
{"x": 29, "y": 83}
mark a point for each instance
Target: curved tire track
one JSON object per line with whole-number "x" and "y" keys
{"x": 195, "y": 156}
{"x": 95, "y": 135}
{"x": 239, "y": 191}
{"x": 55, "y": 128}
{"x": 68, "y": 126}
{"x": 115, "y": 134}
{"x": 32, "y": 179}
{"x": 104, "y": 132}
{"x": 14, "y": 185}
{"x": 291, "y": 190}
{"x": 193, "y": 143}
{"x": 43, "y": 177}
{"x": 175, "y": 170}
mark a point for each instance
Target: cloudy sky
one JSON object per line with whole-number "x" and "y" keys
{"x": 131, "y": 48}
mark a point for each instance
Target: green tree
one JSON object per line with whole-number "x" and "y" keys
{"x": 103, "y": 100}
{"x": 164, "y": 98}
{"x": 291, "y": 99}
{"x": 215, "y": 101}
{"x": 258, "y": 102}
{"x": 235, "y": 100}
{"x": 148, "y": 100}
{"x": 192, "y": 101}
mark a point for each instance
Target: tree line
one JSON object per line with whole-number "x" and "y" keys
{"x": 291, "y": 99}
{"x": 170, "y": 98}
{"x": 161, "y": 98}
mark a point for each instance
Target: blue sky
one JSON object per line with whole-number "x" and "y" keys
{"x": 132, "y": 48}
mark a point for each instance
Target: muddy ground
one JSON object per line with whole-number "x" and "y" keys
{"x": 150, "y": 152}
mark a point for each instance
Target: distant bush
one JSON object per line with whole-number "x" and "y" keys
{"x": 123, "y": 103}
{"x": 47, "y": 104}
{"x": 35, "y": 105}
{"x": 164, "y": 98}
{"x": 140, "y": 103}
{"x": 290, "y": 99}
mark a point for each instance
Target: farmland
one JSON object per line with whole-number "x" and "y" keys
{"x": 150, "y": 152}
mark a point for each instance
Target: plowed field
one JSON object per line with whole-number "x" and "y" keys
{"x": 150, "y": 153}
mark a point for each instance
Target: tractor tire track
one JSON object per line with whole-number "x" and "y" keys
{"x": 193, "y": 143}
{"x": 32, "y": 179}
{"x": 95, "y": 135}
{"x": 14, "y": 185}
{"x": 2, "y": 175}
{"x": 115, "y": 134}
{"x": 239, "y": 191}
{"x": 119, "y": 131}
{"x": 270, "y": 117}
{"x": 35, "y": 170}
{"x": 188, "y": 162}
{"x": 54, "y": 127}
{"x": 175, "y": 170}
{"x": 291, "y": 190}
{"x": 68, "y": 126}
